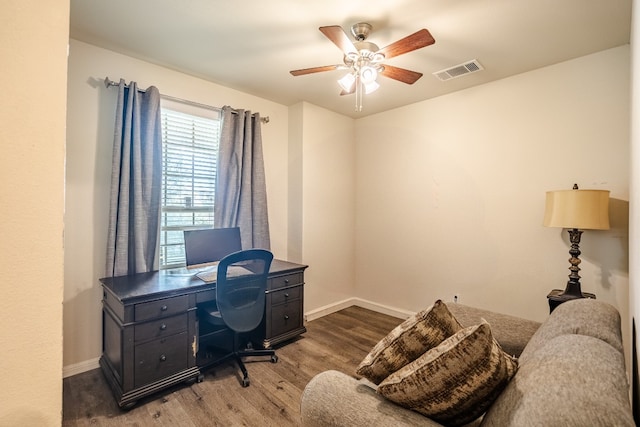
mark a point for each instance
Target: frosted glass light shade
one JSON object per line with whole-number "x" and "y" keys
{"x": 581, "y": 209}
{"x": 368, "y": 74}
{"x": 371, "y": 87}
{"x": 346, "y": 82}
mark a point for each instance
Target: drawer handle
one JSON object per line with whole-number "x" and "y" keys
{"x": 163, "y": 358}
{"x": 286, "y": 281}
{"x": 286, "y": 317}
{"x": 163, "y": 327}
{"x": 164, "y": 308}
{"x": 286, "y": 295}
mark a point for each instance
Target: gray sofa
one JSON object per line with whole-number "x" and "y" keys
{"x": 571, "y": 373}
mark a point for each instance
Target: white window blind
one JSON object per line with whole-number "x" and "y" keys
{"x": 189, "y": 155}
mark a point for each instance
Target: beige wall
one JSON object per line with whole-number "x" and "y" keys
{"x": 33, "y": 49}
{"x": 325, "y": 204}
{"x": 91, "y": 109}
{"x": 450, "y": 192}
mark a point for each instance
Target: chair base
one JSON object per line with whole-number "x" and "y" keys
{"x": 237, "y": 356}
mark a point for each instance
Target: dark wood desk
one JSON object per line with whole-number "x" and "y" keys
{"x": 150, "y": 335}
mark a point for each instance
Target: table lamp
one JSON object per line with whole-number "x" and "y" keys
{"x": 576, "y": 210}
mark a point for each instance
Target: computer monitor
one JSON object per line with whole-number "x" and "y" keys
{"x": 210, "y": 245}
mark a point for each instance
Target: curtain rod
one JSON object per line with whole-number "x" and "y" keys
{"x": 108, "y": 83}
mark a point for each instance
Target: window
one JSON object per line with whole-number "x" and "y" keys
{"x": 190, "y": 138}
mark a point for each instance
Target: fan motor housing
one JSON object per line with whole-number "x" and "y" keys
{"x": 366, "y": 47}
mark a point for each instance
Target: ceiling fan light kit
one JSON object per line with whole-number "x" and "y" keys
{"x": 364, "y": 59}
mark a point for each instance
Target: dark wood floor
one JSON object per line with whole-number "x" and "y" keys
{"x": 337, "y": 341}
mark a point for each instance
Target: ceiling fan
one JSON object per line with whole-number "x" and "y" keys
{"x": 364, "y": 59}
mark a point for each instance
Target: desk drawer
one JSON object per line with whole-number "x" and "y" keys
{"x": 161, "y": 327}
{"x": 161, "y": 308}
{"x": 287, "y": 280}
{"x": 160, "y": 358}
{"x": 286, "y": 295}
{"x": 285, "y": 318}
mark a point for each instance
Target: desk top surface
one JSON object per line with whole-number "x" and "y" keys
{"x": 174, "y": 281}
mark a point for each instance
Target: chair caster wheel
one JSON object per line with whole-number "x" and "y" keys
{"x": 274, "y": 359}
{"x": 245, "y": 382}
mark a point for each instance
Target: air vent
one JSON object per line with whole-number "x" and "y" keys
{"x": 459, "y": 70}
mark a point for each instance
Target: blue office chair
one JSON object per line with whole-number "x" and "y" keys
{"x": 240, "y": 301}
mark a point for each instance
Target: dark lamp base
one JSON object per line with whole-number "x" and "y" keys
{"x": 558, "y": 296}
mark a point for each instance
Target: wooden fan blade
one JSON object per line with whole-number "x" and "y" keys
{"x": 304, "y": 71}
{"x": 336, "y": 34}
{"x": 417, "y": 40}
{"x": 401, "y": 74}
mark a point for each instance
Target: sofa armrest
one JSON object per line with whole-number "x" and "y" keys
{"x": 570, "y": 380}
{"x": 513, "y": 333}
{"x": 584, "y": 316}
{"x": 332, "y": 398}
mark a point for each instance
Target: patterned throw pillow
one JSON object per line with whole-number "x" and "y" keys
{"x": 455, "y": 382}
{"x": 408, "y": 341}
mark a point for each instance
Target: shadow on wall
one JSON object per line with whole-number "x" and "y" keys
{"x": 610, "y": 248}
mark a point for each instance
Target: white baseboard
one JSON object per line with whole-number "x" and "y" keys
{"x": 359, "y": 302}
{"x": 328, "y": 309}
{"x": 384, "y": 309}
{"x": 78, "y": 368}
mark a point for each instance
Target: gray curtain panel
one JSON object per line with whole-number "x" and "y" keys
{"x": 241, "y": 193}
{"x": 136, "y": 179}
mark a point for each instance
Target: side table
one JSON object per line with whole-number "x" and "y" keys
{"x": 557, "y": 297}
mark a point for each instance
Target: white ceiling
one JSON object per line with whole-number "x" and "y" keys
{"x": 252, "y": 45}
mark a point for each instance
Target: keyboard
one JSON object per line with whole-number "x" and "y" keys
{"x": 208, "y": 274}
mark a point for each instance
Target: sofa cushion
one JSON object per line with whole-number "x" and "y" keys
{"x": 408, "y": 341}
{"x": 513, "y": 333}
{"x": 335, "y": 399}
{"x": 455, "y": 382}
{"x": 571, "y": 380}
{"x": 581, "y": 316}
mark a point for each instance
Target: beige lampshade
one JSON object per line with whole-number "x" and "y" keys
{"x": 581, "y": 209}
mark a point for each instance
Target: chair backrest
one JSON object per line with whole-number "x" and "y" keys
{"x": 241, "y": 286}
